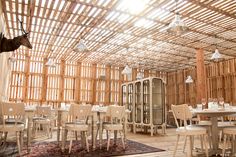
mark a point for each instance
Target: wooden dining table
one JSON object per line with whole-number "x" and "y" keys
{"x": 214, "y": 114}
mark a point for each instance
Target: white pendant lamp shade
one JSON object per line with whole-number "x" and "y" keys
{"x": 139, "y": 76}
{"x": 50, "y": 63}
{"x": 81, "y": 46}
{"x": 177, "y": 26}
{"x": 127, "y": 70}
{"x": 189, "y": 79}
{"x": 216, "y": 55}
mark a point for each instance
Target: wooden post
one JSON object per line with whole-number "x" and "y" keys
{"x": 121, "y": 80}
{"x": 108, "y": 85}
{"x": 94, "y": 81}
{"x": 45, "y": 81}
{"x": 201, "y": 76}
{"x": 61, "y": 87}
{"x": 146, "y": 73}
{"x": 77, "y": 82}
{"x": 134, "y": 74}
{"x": 27, "y": 69}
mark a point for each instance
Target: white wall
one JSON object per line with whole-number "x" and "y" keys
{"x": 5, "y": 66}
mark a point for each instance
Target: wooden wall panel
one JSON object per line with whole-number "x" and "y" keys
{"x": 220, "y": 82}
{"x": 66, "y": 82}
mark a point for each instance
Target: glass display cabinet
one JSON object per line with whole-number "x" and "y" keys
{"x": 146, "y": 100}
{"x": 137, "y": 102}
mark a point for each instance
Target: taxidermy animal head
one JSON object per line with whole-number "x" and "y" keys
{"x": 7, "y": 45}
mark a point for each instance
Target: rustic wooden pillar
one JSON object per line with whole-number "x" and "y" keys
{"x": 146, "y": 73}
{"x": 121, "y": 80}
{"x": 108, "y": 85}
{"x": 78, "y": 82}
{"x": 94, "y": 83}
{"x": 61, "y": 87}
{"x": 134, "y": 74}
{"x": 45, "y": 81}
{"x": 201, "y": 76}
{"x": 26, "y": 82}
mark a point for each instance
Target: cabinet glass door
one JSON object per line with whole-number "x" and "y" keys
{"x": 124, "y": 95}
{"x": 146, "y": 102}
{"x": 130, "y": 102}
{"x": 157, "y": 101}
{"x": 138, "y": 104}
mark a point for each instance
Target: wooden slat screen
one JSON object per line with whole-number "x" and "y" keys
{"x": 33, "y": 82}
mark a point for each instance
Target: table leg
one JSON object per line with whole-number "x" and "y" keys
{"x": 58, "y": 125}
{"x": 214, "y": 135}
{"x": 94, "y": 132}
{"x": 29, "y": 131}
{"x": 100, "y": 129}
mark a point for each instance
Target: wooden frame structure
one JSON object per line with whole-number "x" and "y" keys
{"x": 115, "y": 36}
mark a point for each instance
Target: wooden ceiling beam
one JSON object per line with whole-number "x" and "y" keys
{"x": 210, "y": 7}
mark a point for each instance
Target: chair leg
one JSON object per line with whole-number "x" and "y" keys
{"x": 18, "y": 141}
{"x": 220, "y": 136}
{"x": 86, "y": 139}
{"x": 107, "y": 134}
{"x": 176, "y": 145}
{"x": 22, "y": 138}
{"x": 115, "y": 136}
{"x": 70, "y": 146}
{"x": 206, "y": 148}
{"x": 201, "y": 139}
{"x": 233, "y": 144}
{"x": 108, "y": 140}
{"x": 209, "y": 137}
{"x": 76, "y": 135}
{"x": 122, "y": 139}
{"x": 185, "y": 139}
{"x": 48, "y": 131}
{"x": 224, "y": 145}
{"x": 190, "y": 146}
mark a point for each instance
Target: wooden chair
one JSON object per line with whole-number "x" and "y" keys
{"x": 117, "y": 117}
{"x": 229, "y": 132}
{"x": 78, "y": 122}
{"x": 182, "y": 113}
{"x": 43, "y": 116}
{"x": 13, "y": 118}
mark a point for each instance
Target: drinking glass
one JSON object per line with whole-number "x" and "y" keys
{"x": 221, "y": 101}
{"x": 203, "y": 100}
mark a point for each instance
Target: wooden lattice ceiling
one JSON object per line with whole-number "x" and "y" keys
{"x": 108, "y": 27}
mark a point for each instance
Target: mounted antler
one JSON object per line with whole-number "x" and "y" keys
{"x": 7, "y": 45}
{"x": 22, "y": 28}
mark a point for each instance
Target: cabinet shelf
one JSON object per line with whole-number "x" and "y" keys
{"x": 146, "y": 97}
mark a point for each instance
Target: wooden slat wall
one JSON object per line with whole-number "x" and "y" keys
{"x": 221, "y": 82}
{"x": 35, "y": 83}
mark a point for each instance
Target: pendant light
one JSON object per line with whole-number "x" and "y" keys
{"x": 81, "y": 47}
{"x": 177, "y": 26}
{"x": 51, "y": 63}
{"x": 216, "y": 55}
{"x": 139, "y": 74}
{"x": 127, "y": 70}
{"x": 189, "y": 77}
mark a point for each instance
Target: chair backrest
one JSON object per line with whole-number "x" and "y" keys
{"x": 14, "y": 111}
{"x": 117, "y": 113}
{"x": 182, "y": 113}
{"x": 44, "y": 111}
{"x": 80, "y": 112}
